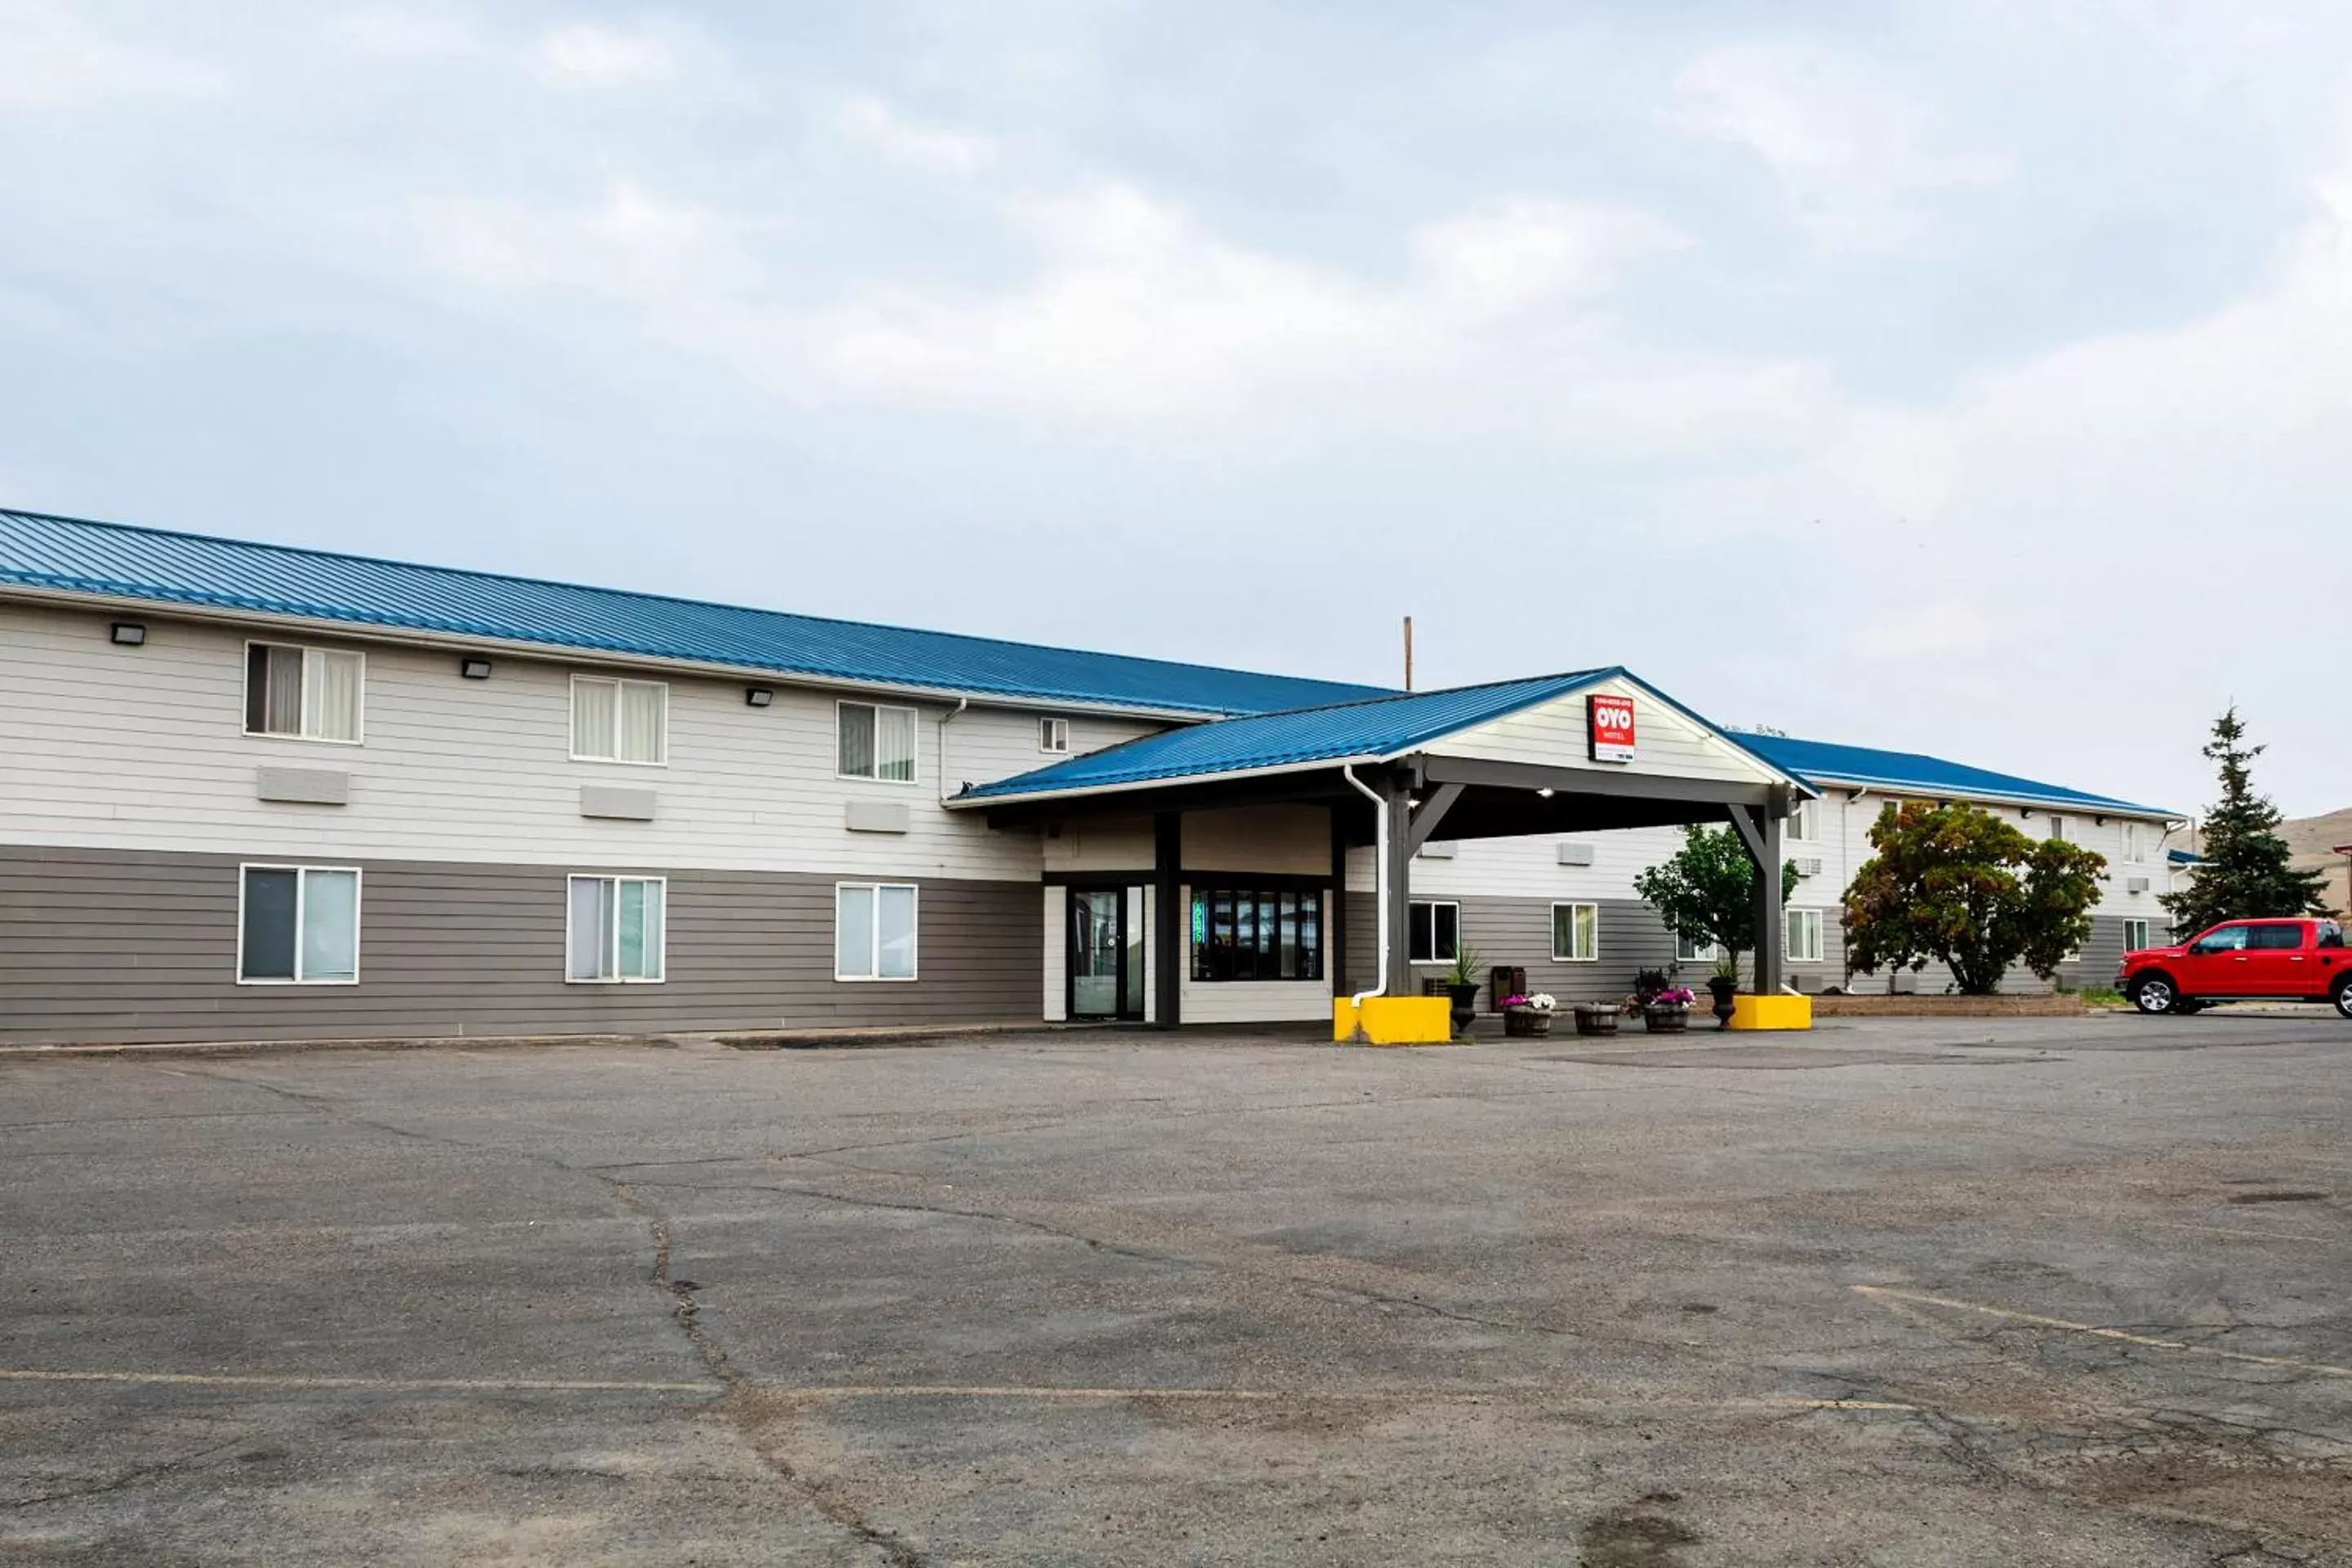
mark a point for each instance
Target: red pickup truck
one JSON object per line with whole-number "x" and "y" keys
{"x": 2238, "y": 960}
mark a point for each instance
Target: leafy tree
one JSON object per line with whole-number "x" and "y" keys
{"x": 2248, "y": 872}
{"x": 1708, "y": 891}
{"x": 1957, "y": 884}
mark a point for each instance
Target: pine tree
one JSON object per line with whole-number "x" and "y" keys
{"x": 2248, "y": 872}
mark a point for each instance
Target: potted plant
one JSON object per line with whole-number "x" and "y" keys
{"x": 1723, "y": 985}
{"x": 1528, "y": 1017}
{"x": 1596, "y": 1017}
{"x": 1462, "y": 986}
{"x": 1669, "y": 1012}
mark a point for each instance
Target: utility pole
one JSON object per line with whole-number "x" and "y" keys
{"x": 1408, "y": 653}
{"x": 2346, "y": 851}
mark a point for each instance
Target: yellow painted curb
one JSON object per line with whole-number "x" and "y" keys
{"x": 1783, "y": 1012}
{"x": 1393, "y": 1021}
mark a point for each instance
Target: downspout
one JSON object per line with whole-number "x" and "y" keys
{"x": 949, "y": 717}
{"x": 1380, "y": 879}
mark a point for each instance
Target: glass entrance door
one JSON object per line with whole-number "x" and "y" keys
{"x": 1106, "y": 953}
{"x": 1097, "y": 952}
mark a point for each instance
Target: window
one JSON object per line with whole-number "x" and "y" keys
{"x": 873, "y": 930}
{"x": 297, "y": 925}
{"x": 620, "y": 721}
{"x": 1435, "y": 934}
{"x": 1575, "y": 933}
{"x": 2330, "y": 934}
{"x": 2135, "y": 935}
{"x": 1054, "y": 736}
{"x": 303, "y": 693}
{"x": 618, "y": 930}
{"x": 2058, "y": 829}
{"x": 2132, "y": 851}
{"x": 876, "y": 742}
{"x": 2226, "y": 939}
{"x": 1803, "y": 931}
{"x": 1247, "y": 933}
{"x": 2275, "y": 939}
{"x": 1696, "y": 949}
{"x": 1800, "y": 826}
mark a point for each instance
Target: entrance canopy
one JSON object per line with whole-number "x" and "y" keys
{"x": 1581, "y": 751}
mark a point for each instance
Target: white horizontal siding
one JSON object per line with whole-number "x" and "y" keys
{"x": 108, "y": 747}
{"x": 1057, "y": 954}
{"x": 1554, "y": 734}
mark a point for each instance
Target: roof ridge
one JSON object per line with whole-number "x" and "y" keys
{"x": 1432, "y": 692}
{"x": 1374, "y": 693}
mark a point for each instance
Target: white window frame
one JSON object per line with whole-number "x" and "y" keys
{"x": 1799, "y": 825}
{"x": 2055, "y": 826}
{"x": 612, "y": 940}
{"x": 1053, "y": 735}
{"x": 1810, "y": 919}
{"x": 915, "y": 774}
{"x": 1700, "y": 952}
{"x": 2145, "y": 932}
{"x": 914, "y": 969}
{"x": 308, "y": 651}
{"x": 618, "y": 682}
{"x": 1571, "y": 904}
{"x": 2135, "y": 850}
{"x": 1455, "y": 905}
{"x": 301, "y": 901}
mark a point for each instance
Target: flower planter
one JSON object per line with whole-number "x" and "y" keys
{"x": 1596, "y": 1018}
{"x": 1465, "y": 1006}
{"x": 1666, "y": 1018}
{"x": 1722, "y": 989}
{"x": 1527, "y": 1024}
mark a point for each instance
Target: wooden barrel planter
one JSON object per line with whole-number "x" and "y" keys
{"x": 1596, "y": 1017}
{"x": 1527, "y": 1024}
{"x": 1667, "y": 1017}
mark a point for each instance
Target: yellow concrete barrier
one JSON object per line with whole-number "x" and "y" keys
{"x": 1783, "y": 1012}
{"x": 1392, "y": 1021}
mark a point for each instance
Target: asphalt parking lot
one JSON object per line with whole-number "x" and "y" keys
{"x": 2034, "y": 1291}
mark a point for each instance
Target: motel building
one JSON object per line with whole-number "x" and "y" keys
{"x": 249, "y": 792}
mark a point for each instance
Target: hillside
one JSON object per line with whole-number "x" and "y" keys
{"x": 2314, "y": 840}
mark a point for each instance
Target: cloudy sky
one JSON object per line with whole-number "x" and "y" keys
{"x": 1976, "y": 379}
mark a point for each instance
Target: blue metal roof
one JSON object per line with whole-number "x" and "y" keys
{"x": 1911, "y": 771}
{"x": 1340, "y": 732}
{"x": 38, "y": 551}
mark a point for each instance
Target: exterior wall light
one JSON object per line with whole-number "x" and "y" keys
{"x": 129, "y": 634}
{"x": 759, "y": 696}
{"x": 474, "y": 668}
{"x": 1544, "y": 792}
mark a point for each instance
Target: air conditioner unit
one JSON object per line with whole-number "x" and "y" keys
{"x": 1576, "y": 854}
{"x": 1808, "y": 865}
{"x": 2135, "y": 885}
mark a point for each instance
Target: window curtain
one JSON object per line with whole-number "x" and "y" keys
{"x": 331, "y": 695}
{"x": 894, "y": 743}
{"x": 592, "y": 928}
{"x": 857, "y": 740}
{"x": 895, "y": 919}
{"x": 591, "y": 719}
{"x": 853, "y": 933}
{"x": 641, "y": 720}
{"x": 331, "y": 925}
{"x": 282, "y": 707}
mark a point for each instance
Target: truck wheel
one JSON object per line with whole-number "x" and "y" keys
{"x": 2153, "y": 994}
{"x": 2343, "y": 997}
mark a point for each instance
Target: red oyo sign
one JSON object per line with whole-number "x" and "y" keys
{"x": 1609, "y": 721}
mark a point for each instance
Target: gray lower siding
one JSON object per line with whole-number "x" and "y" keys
{"x": 1518, "y": 932}
{"x": 100, "y": 945}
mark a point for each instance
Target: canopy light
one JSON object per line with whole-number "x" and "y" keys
{"x": 758, "y": 696}
{"x": 129, "y": 634}
{"x": 474, "y": 668}
{"x": 1545, "y": 792}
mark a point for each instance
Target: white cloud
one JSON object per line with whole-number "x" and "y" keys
{"x": 1849, "y": 150}
{"x": 586, "y": 54}
{"x": 51, "y": 59}
{"x": 873, "y": 124}
{"x": 1937, "y": 629}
